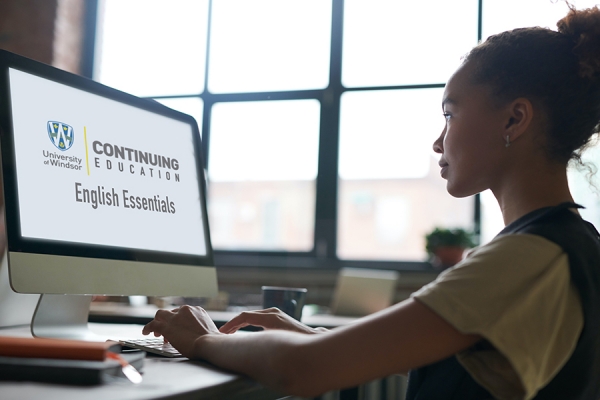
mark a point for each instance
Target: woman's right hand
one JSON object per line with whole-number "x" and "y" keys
{"x": 270, "y": 318}
{"x": 182, "y": 327}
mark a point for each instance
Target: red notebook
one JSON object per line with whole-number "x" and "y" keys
{"x": 55, "y": 348}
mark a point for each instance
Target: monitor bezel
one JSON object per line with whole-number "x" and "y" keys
{"x": 17, "y": 243}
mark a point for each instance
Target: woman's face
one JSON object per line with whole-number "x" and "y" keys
{"x": 472, "y": 145}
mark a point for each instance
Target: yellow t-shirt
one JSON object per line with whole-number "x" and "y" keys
{"x": 515, "y": 292}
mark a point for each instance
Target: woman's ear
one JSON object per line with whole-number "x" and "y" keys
{"x": 520, "y": 116}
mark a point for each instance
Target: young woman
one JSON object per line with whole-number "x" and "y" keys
{"x": 519, "y": 318}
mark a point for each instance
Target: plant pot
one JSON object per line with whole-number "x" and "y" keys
{"x": 447, "y": 256}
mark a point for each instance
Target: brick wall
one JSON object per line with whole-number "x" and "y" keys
{"x": 50, "y": 31}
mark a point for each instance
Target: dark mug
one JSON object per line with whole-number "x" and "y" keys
{"x": 289, "y": 300}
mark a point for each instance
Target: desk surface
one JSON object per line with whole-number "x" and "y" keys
{"x": 125, "y": 314}
{"x": 163, "y": 379}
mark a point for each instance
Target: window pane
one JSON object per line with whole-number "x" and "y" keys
{"x": 491, "y": 217}
{"x": 269, "y": 45}
{"x": 391, "y": 193}
{"x": 152, "y": 47}
{"x": 262, "y": 174}
{"x": 391, "y": 42}
{"x": 189, "y": 105}
{"x": 502, "y": 15}
{"x": 585, "y": 187}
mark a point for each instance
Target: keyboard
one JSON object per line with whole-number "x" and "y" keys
{"x": 152, "y": 345}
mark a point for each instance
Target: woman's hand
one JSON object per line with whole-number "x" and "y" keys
{"x": 271, "y": 318}
{"x": 181, "y": 327}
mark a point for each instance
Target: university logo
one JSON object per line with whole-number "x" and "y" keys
{"x": 61, "y": 135}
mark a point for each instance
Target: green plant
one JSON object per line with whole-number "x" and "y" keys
{"x": 448, "y": 238}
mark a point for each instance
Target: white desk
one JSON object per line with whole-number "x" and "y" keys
{"x": 395, "y": 386}
{"x": 163, "y": 379}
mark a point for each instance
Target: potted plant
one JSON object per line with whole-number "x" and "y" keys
{"x": 446, "y": 246}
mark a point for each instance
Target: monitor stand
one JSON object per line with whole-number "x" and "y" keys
{"x": 63, "y": 317}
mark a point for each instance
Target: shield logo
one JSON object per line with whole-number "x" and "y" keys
{"x": 61, "y": 135}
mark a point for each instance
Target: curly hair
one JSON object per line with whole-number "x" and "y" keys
{"x": 558, "y": 71}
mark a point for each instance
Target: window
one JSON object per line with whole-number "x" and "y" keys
{"x": 152, "y": 47}
{"x": 262, "y": 173}
{"x": 393, "y": 43}
{"x": 317, "y": 116}
{"x": 390, "y": 190}
{"x": 269, "y": 45}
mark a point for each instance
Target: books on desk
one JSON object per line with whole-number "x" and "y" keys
{"x": 55, "y": 348}
{"x": 63, "y": 361}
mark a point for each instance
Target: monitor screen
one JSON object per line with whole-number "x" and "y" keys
{"x": 96, "y": 171}
{"x": 104, "y": 192}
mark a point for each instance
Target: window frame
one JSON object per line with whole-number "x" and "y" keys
{"x": 324, "y": 252}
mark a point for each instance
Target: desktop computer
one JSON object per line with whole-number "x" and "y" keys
{"x": 104, "y": 193}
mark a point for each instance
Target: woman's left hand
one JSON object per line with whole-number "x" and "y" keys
{"x": 270, "y": 318}
{"x": 181, "y": 327}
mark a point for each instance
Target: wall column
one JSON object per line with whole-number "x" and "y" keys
{"x": 49, "y": 31}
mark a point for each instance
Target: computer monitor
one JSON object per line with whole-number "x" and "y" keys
{"x": 104, "y": 194}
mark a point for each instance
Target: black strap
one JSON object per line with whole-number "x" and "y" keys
{"x": 533, "y": 216}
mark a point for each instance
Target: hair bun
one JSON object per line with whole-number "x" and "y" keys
{"x": 583, "y": 26}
